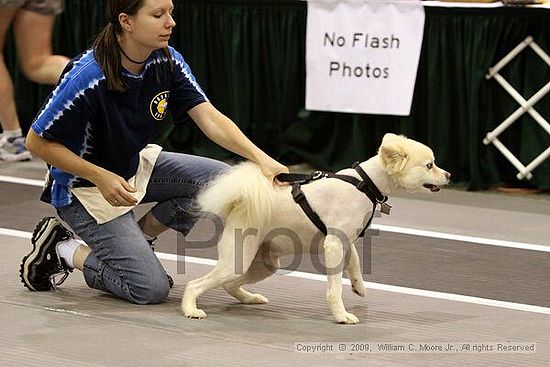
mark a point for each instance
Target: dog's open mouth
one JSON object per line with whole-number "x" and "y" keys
{"x": 432, "y": 188}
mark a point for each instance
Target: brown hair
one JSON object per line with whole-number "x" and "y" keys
{"x": 106, "y": 47}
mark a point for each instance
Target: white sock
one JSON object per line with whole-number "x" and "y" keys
{"x": 12, "y": 133}
{"x": 67, "y": 248}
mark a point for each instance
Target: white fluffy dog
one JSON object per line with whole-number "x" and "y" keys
{"x": 263, "y": 223}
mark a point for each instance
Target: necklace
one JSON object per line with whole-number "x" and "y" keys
{"x": 129, "y": 59}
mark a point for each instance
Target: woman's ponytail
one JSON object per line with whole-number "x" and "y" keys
{"x": 107, "y": 54}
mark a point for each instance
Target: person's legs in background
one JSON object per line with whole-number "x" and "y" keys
{"x": 33, "y": 35}
{"x": 11, "y": 129}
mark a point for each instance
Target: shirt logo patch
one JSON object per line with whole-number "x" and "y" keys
{"x": 159, "y": 105}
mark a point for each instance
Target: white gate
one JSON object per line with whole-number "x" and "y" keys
{"x": 525, "y": 106}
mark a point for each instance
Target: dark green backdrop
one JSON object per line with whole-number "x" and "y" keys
{"x": 249, "y": 56}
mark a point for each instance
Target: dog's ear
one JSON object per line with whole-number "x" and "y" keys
{"x": 393, "y": 153}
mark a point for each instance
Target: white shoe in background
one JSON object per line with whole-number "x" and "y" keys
{"x": 13, "y": 149}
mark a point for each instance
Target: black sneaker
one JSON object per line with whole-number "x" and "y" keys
{"x": 152, "y": 245}
{"x": 41, "y": 266}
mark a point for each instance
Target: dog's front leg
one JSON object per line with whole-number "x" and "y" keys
{"x": 334, "y": 260}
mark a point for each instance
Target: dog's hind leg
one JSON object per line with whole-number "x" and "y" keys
{"x": 353, "y": 267}
{"x": 228, "y": 268}
{"x": 334, "y": 261}
{"x": 259, "y": 270}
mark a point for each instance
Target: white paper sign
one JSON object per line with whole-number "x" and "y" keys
{"x": 362, "y": 56}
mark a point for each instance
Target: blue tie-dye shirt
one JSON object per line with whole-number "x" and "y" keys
{"x": 107, "y": 128}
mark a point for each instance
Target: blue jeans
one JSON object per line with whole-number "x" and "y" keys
{"x": 121, "y": 261}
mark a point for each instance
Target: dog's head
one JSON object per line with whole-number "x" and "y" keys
{"x": 411, "y": 164}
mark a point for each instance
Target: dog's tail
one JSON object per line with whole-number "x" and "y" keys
{"x": 243, "y": 191}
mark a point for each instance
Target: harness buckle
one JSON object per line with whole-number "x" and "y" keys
{"x": 385, "y": 198}
{"x": 317, "y": 175}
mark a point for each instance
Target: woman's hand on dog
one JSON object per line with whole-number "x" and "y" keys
{"x": 271, "y": 168}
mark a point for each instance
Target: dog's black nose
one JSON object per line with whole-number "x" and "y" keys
{"x": 448, "y": 175}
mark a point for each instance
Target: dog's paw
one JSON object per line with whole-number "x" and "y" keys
{"x": 255, "y": 299}
{"x": 347, "y": 318}
{"x": 358, "y": 287}
{"x": 196, "y": 313}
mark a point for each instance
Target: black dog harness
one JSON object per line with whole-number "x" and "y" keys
{"x": 365, "y": 185}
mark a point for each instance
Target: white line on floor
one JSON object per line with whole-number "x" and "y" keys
{"x": 370, "y": 285}
{"x": 461, "y": 238}
{"x": 383, "y": 287}
{"x": 21, "y": 181}
{"x": 15, "y": 233}
{"x": 382, "y": 228}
